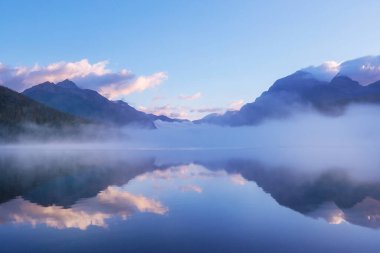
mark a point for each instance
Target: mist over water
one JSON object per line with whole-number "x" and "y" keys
{"x": 308, "y": 141}
{"x": 357, "y": 127}
{"x": 181, "y": 180}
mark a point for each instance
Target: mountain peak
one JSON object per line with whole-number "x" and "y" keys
{"x": 299, "y": 90}
{"x": 297, "y": 81}
{"x": 46, "y": 83}
{"x": 120, "y": 102}
{"x": 342, "y": 80}
{"x": 17, "y": 109}
{"x": 66, "y": 97}
{"x": 68, "y": 84}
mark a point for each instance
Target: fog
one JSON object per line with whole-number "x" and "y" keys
{"x": 311, "y": 163}
{"x": 357, "y": 127}
{"x": 306, "y": 139}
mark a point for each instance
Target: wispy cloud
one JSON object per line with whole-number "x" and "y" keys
{"x": 186, "y": 112}
{"x": 178, "y": 112}
{"x": 194, "y": 96}
{"x": 190, "y": 172}
{"x": 236, "y": 105}
{"x": 326, "y": 71}
{"x": 157, "y": 98}
{"x": 112, "y": 84}
{"x": 209, "y": 110}
{"x": 118, "y": 90}
{"x": 181, "y": 112}
{"x": 191, "y": 188}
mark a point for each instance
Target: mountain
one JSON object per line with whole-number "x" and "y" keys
{"x": 79, "y": 177}
{"x": 165, "y": 118}
{"x": 17, "y": 111}
{"x": 67, "y": 97}
{"x": 296, "y": 92}
{"x": 321, "y": 194}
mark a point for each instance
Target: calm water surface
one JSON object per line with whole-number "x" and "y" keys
{"x": 279, "y": 200}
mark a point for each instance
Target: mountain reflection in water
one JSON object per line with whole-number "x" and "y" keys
{"x": 83, "y": 188}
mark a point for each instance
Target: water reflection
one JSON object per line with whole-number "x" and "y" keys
{"x": 332, "y": 194}
{"x": 81, "y": 189}
{"x": 181, "y": 174}
{"x": 113, "y": 201}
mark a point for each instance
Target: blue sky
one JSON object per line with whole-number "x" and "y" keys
{"x": 226, "y": 51}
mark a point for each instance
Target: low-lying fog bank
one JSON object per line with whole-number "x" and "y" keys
{"x": 358, "y": 127}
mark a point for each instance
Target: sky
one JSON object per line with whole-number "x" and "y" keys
{"x": 181, "y": 58}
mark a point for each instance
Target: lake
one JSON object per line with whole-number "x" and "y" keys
{"x": 300, "y": 199}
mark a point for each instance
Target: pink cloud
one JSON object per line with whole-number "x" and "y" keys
{"x": 111, "y": 202}
{"x": 120, "y": 89}
{"x": 178, "y": 112}
{"x": 194, "y": 96}
{"x": 112, "y": 84}
{"x": 236, "y": 105}
{"x": 191, "y": 188}
{"x": 186, "y": 112}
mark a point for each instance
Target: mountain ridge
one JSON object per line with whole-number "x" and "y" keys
{"x": 18, "y": 114}
{"x": 298, "y": 91}
{"x": 65, "y": 96}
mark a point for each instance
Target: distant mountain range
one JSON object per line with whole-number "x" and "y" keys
{"x": 67, "y": 97}
{"x": 65, "y": 103}
{"x": 297, "y": 92}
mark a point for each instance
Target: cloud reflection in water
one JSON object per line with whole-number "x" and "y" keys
{"x": 113, "y": 201}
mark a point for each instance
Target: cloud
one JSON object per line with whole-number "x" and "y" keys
{"x": 329, "y": 212}
{"x": 167, "y": 110}
{"x": 185, "y": 112}
{"x": 209, "y": 110}
{"x": 93, "y": 76}
{"x": 365, "y": 70}
{"x": 23, "y": 77}
{"x": 236, "y": 105}
{"x": 233, "y": 106}
{"x": 113, "y": 201}
{"x": 325, "y": 72}
{"x": 191, "y": 188}
{"x": 181, "y": 112}
{"x": 157, "y": 98}
{"x": 190, "y": 172}
{"x": 120, "y": 89}
{"x": 238, "y": 179}
{"x": 194, "y": 96}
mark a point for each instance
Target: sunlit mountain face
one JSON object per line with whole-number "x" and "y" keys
{"x": 233, "y": 199}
